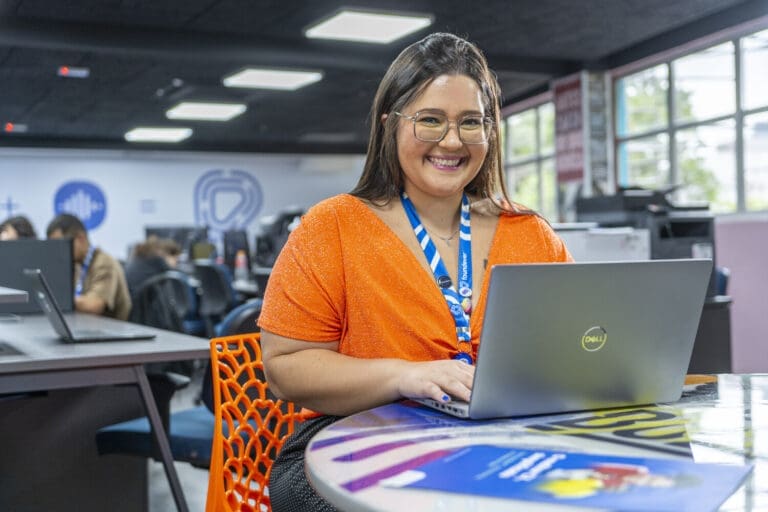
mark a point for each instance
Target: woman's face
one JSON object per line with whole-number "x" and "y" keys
{"x": 441, "y": 169}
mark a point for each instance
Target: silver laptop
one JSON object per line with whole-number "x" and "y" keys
{"x": 42, "y": 293}
{"x": 583, "y": 336}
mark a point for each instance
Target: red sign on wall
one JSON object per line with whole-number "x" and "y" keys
{"x": 569, "y": 132}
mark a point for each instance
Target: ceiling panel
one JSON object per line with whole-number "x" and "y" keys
{"x": 145, "y": 56}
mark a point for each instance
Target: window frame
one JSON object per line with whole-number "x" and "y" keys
{"x": 734, "y": 36}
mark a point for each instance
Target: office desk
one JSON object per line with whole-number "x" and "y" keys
{"x": 45, "y": 364}
{"x": 725, "y": 421}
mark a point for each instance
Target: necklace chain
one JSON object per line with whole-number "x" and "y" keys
{"x": 447, "y": 239}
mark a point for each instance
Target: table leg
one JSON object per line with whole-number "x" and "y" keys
{"x": 161, "y": 438}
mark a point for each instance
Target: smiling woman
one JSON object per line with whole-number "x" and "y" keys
{"x": 339, "y": 333}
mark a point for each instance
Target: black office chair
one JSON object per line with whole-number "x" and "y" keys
{"x": 217, "y": 297}
{"x": 166, "y": 301}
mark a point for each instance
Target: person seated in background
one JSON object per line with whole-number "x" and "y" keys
{"x": 15, "y": 228}
{"x": 100, "y": 286}
{"x": 378, "y": 295}
{"x": 150, "y": 258}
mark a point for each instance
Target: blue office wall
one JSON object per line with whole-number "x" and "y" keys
{"x": 117, "y": 193}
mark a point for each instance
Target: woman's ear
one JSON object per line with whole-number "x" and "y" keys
{"x": 384, "y": 118}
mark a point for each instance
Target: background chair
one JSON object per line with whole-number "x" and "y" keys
{"x": 168, "y": 301}
{"x": 250, "y": 426}
{"x": 217, "y": 297}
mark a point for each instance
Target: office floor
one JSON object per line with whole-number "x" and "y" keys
{"x": 194, "y": 481}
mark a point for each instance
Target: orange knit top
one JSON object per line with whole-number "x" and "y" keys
{"x": 344, "y": 276}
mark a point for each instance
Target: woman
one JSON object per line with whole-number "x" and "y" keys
{"x": 16, "y": 228}
{"x": 150, "y": 258}
{"x": 354, "y": 314}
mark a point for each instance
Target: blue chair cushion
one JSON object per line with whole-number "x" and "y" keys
{"x": 190, "y": 436}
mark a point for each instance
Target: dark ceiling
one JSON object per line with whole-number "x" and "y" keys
{"x": 137, "y": 50}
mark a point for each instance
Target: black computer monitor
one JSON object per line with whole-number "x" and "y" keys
{"x": 185, "y": 236}
{"x": 275, "y": 231}
{"x": 53, "y": 257}
{"x": 235, "y": 240}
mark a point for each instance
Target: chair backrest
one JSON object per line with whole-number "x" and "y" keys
{"x": 164, "y": 300}
{"x": 241, "y": 320}
{"x": 216, "y": 293}
{"x": 256, "y": 423}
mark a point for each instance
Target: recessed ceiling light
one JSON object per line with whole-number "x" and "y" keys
{"x": 272, "y": 79}
{"x": 206, "y": 111}
{"x": 368, "y": 27}
{"x": 155, "y": 134}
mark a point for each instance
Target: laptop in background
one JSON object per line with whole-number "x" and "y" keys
{"x": 42, "y": 293}
{"x": 583, "y": 336}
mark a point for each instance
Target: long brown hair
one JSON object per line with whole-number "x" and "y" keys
{"x": 413, "y": 70}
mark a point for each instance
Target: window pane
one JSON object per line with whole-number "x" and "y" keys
{"x": 547, "y": 128}
{"x": 524, "y": 185}
{"x": 756, "y": 161}
{"x": 707, "y": 165}
{"x": 644, "y": 162}
{"x": 641, "y": 101}
{"x": 705, "y": 84}
{"x": 548, "y": 204}
{"x": 755, "y": 70}
{"x": 521, "y": 135}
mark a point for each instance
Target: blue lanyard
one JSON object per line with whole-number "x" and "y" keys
{"x": 84, "y": 271}
{"x": 459, "y": 299}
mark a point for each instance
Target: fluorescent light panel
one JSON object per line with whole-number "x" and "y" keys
{"x": 156, "y": 134}
{"x": 205, "y": 111}
{"x": 368, "y": 27}
{"x": 272, "y": 79}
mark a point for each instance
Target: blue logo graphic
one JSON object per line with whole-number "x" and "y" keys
{"x": 84, "y": 200}
{"x": 226, "y": 199}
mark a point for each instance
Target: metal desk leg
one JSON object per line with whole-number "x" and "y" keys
{"x": 161, "y": 438}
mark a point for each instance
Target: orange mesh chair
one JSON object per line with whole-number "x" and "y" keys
{"x": 250, "y": 426}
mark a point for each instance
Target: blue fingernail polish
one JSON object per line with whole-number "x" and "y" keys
{"x": 446, "y": 398}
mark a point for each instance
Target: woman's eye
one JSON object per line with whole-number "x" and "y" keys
{"x": 430, "y": 121}
{"x": 472, "y": 122}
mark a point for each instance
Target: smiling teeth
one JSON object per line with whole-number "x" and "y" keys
{"x": 445, "y": 162}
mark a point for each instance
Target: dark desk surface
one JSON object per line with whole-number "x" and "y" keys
{"x": 41, "y": 350}
{"x": 724, "y": 420}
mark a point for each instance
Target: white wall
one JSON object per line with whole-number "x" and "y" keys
{"x": 159, "y": 188}
{"x": 741, "y": 243}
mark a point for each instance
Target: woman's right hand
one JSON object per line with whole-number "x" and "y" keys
{"x": 439, "y": 380}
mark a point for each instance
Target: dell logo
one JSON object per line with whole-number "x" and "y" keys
{"x": 594, "y": 339}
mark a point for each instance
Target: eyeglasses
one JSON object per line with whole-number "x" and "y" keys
{"x": 430, "y": 126}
